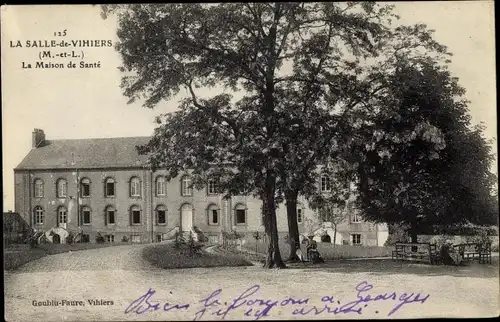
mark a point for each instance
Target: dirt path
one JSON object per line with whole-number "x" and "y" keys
{"x": 119, "y": 275}
{"x": 126, "y": 257}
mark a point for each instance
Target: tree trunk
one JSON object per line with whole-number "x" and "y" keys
{"x": 414, "y": 235}
{"x": 334, "y": 234}
{"x": 273, "y": 258}
{"x": 293, "y": 227}
{"x": 414, "y": 230}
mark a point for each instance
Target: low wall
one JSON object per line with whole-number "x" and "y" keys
{"x": 454, "y": 239}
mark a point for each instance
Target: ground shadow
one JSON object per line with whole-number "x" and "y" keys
{"x": 389, "y": 266}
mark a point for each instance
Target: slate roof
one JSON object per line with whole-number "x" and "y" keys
{"x": 85, "y": 153}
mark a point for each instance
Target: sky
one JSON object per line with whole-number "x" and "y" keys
{"x": 75, "y": 103}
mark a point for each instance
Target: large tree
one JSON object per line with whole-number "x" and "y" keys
{"x": 300, "y": 66}
{"x": 422, "y": 162}
{"x": 324, "y": 112}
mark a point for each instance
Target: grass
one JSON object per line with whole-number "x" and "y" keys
{"x": 250, "y": 256}
{"x": 168, "y": 257}
{"x": 328, "y": 251}
{"x": 20, "y": 254}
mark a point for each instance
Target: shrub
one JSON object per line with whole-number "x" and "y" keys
{"x": 230, "y": 239}
{"x": 397, "y": 233}
{"x": 463, "y": 230}
{"x": 99, "y": 238}
{"x": 32, "y": 240}
{"x": 481, "y": 238}
{"x": 43, "y": 239}
{"x": 441, "y": 239}
{"x": 257, "y": 235}
{"x": 125, "y": 239}
{"x": 70, "y": 238}
{"x": 192, "y": 246}
{"x": 179, "y": 240}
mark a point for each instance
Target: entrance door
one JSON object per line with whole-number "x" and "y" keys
{"x": 186, "y": 217}
{"x": 56, "y": 239}
{"x": 63, "y": 217}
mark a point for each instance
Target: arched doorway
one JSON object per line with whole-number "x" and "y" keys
{"x": 56, "y": 239}
{"x": 326, "y": 239}
{"x": 186, "y": 217}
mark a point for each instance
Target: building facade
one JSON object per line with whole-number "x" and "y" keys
{"x": 102, "y": 187}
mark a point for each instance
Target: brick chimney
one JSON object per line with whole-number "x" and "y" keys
{"x": 38, "y": 138}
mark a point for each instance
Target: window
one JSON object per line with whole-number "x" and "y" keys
{"x": 38, "y": 215}
{"x": 212, "y": 187}
{"x": 135, "y": 214}
{"x": 86, "y": 215}
{"x": 356, "y": 239}
{"x": 110, "y": 238}
{"x": 240, "y": 214}
{"x": 135, "y": 187}
{"x": 213, "y": 239}
{"x": 109, "y": 188}
{"x": 63, "y": 215}
{"x": 213, "y": 215}
{"x": 355, "y": 218}
{"x": 299, "y": 216}
{"x": 110, "y": 215}
{"x": 62, "y": 188}
{"x": 135, "y": 238}
{"x": 85, "y": 238}
{"x": 158, "y": 238}
{"x": 325, "y": 184}
{"x": 38, "y": 188}
{"x": 186, "y": 188}
{"x": 161, "y": 215}
{"x": 160, "y": 186}
{"x": 85, "y": 187}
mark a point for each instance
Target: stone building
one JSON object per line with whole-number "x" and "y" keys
{"x": 102, "y": 187}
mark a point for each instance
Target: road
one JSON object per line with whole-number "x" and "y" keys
{"x": 118, "y": 275}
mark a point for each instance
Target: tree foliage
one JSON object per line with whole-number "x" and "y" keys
{"x": 422, "y": 163}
